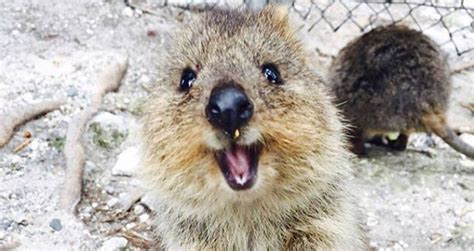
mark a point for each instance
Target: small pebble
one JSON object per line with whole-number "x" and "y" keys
{"x": 130, "y": 225}
{"x": 55, "y": 224}
{"x": 88, "y": 210}
{"x": 72, "y": 92}
{"x": 144, "y": 217}
{"x": 373, "y": 244}
{"x": 114, "y": 243}
{"x": 372, "y": 222}
{"x": 467, "y": 163}
{"x": 127, "y": 11}
{"x": 145, "y": 78}
{"x": 85, "y": 216}
{"x": 112, "y": 202}
{"x": 127, "y": 162}
{"x": 110, "y": 189}
{"x": 398, "y": 247}
{"x": 6, "y": 223}
{"x": 468, "y": 138}
{"x": 147, "y": 200}
{"x": 27, "y": 134}
{"x": 403, "y": 244}
{"x": 138, "y": 209}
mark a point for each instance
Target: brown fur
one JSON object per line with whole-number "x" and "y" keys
{"x": 301, "y": 200}
{"x": 393, "y": 79}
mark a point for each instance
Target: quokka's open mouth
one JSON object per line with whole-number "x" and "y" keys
{"x": 239, "y": 165}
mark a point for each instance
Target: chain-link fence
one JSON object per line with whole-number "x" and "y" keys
{"x": 449, "y": 22}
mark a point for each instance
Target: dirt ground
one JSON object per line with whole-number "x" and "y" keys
{"x": 420, "y": 199}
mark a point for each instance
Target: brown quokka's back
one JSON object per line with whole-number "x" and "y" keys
{"x": 242, "y": 147}
{"x": 393, "y": 79}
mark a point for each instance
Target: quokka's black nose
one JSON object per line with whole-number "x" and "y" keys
{"x": 229, "y": 108}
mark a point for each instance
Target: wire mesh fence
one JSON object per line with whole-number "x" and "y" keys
{"x": 449, "y": 22}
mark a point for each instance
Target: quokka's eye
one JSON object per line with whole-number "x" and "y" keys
{"x": 187, "y": 78}
{"x": 271, "y": 73}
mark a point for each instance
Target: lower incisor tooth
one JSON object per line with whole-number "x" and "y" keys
{"x": 240, "y": 180}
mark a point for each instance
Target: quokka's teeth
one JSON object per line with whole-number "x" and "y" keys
{"x": 240, "y": 180}
{"x": 236, "y": 134}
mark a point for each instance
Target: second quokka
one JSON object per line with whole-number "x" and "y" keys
{"x": 394, "y": 79}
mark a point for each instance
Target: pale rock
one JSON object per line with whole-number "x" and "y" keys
{"x": 112, "y": 202}
{"x": 144, "y": 218}
{"x": 139, "y": 209}
{"x": 127, "y": 11}
{"x": 127, "y": 162}
{"x": 468, "y": 138}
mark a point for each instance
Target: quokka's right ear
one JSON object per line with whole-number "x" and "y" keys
{"x": 277, "y": 14}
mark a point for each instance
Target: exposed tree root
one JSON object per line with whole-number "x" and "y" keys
{"x": 10, "y": 245}
{"x": 18, "y": 115}
{"x": 108, "y": 81}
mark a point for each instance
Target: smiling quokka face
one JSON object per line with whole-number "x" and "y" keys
{"x": 236, "y": 113}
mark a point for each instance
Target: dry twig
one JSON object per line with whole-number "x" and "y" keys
{"x": 26, "y": 141}
{"x": 137, "y": 240}
{"x": 22, "y": 145}
{"x": 108, "y": 81}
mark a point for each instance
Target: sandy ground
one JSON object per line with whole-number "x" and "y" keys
{"x": 420, "y": 199}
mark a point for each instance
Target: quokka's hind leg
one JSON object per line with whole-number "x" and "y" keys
{"x": 400, "y": 144}
{"x": 357, "y": 142}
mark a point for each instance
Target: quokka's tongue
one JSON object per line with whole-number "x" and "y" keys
{"x": 238, "y": 161}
